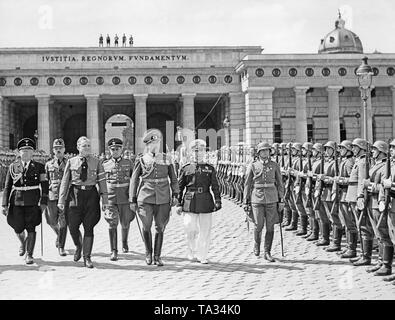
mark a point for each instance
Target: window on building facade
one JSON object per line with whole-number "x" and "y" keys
{"x": 343, "y": 133}
{"x": 310, "y": 133}
{"x": 277, "y": 132}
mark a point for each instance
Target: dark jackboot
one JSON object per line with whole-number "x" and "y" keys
{"x": 287, "y": 217}
{"x": 30, "y": 242}
{"x": 315, "y": 230}
{"x": 56, "y": 230}
{"x": 148, "y": 246}
{"x": 62, "y": 241}
{"x": 22, "y": 238}
{"x": 257, "y": 242}
{"x": 294, "y": 222}
{"x": 366, "y": 258}
{"x": 303, "y": 226}
{"x": 87, "y": 250}
{"x": 379, "y": 262}
{"x": 77, "y": 239}
{"x": 311, "y": 224}
{"x": 268, "y": 246}
{"x": 125, "y": 233}
{"x": 158, "y": 249}
{"x": 113, "y": 244}
{"x": 336, "y": 241}
{"x": 388, "y": 258}
{"x": 325, "y": 234}
{"x": 351, "y": 252}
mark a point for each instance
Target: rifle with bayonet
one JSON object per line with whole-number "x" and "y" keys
{"x": 387, "y": 192}
{"x": 288, "y": 190}
{"x": 335, "y": 187}
{"x": 319, "y": 183}
{"x": 309, "y": 183}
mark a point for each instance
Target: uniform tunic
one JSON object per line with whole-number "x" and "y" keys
{"x": 81, "y": 197}
{"x": 23, "y": 195}
{"x": 54, "y": 171}
{"x": 263, "y": 188}
{"x": 118, "y": 173}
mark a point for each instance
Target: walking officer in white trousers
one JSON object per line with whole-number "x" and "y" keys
{"x": 197, "y": 177}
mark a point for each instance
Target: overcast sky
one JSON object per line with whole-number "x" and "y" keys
{"x": 287, "y": 26}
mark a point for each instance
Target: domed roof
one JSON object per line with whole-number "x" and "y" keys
{"x": 340, "y": 40}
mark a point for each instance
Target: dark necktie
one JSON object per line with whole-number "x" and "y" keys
{"x": 84, "y": 169}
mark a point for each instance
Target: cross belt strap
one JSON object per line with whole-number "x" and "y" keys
{"x": 26, "y": 188}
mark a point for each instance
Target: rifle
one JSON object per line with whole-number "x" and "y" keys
{"x": 288, "y": 183}
{"x": 299, "y": 195}
{"x": 320, "y": 183}
{"x": 336, "y": 200}
{"x": 309, "y": 183}
{"x": 387, "y": 192}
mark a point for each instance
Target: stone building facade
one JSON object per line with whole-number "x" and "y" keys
{"x": 68, "y": 92}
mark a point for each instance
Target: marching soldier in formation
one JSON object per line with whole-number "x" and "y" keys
{"x": 79, "y": 196}
{"x": 56, "y": 219}
{"x": 263, "y": 194}
{"x": 23, "y": 202}
{"x": 151, "y": 196}
{"x": 386, "y": 228}
{"x": 197, "y": 178}
{"x": 118, "y": 172}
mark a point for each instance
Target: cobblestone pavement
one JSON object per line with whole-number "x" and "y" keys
{"x": 306, "y": 271}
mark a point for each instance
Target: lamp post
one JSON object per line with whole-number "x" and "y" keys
{"x": 365, "y": 74}
{"x": 226, "y": 125}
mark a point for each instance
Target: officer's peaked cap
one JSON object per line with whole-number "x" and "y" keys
{"x": 26, "y": 143}
{"x": 262, "y": 146}
{"x": 196, "y": 144}
{"x": 151, "y": 135}
{"x": 114, "y": 142}
{"x": 58, "y": 143}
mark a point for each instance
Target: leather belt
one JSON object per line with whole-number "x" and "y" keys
{"x": 119, "y": 185}
{"x": 27, "y": 188}
{"x": 198, "y": 189}
{"x": 90, "y": 187}
{"x": 264, "y": 185}
{"x": 156, "y": 180}
{"x": 353, "y": 183}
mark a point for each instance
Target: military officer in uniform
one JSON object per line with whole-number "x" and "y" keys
{"x": 23, "y": 202}
{"x": 78, "y": 194}
{"x": 151, "y": 196}
{"x": 264, "y": 191}
{"x": 118, "y": 171}
{"x": 197, "y": 203}
{"x": 55, "y": 218}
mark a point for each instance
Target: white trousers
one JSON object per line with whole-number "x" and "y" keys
{"x": 197, "y": 228}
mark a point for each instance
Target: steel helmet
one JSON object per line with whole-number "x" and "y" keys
{"x": 330, "y": 144}
{"x": 392, "y": 143}
{"x": 297, "y": 146}
{"x": 262, "y": 146}
{"x": 361, "y": 143}
{"x": 318, "y": 146}
{"x": 307, "y": 146}
{"x": 381, "y": 146}
{"x": 346, "y": 144}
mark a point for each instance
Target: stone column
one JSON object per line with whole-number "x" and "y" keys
{"x": 393, "y": 110}
{"x": 333, "y": 113}
{"x": 4, "y": 122}
{"x": 301, "y": 114}
{"x": 92, "y": 121}
{"x": 237, "y": 117}
{"x": 44, "y": 123}
{"x": 188, "y": 114}
{"x": 259, "y": 114}
{"x": 140, "y": 120}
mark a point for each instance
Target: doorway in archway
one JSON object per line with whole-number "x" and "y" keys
{"x": 122, "y": 127}
{"x": 74, "y": 127}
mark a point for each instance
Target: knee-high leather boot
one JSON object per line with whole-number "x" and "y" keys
{"x": 62, "y": 241}
{"x": 148, "y": 246}
{"x": 30, "y": 242}
{"x": 113, "y": 243}
{"x": 268, "y": 245}
{"x": 336, "y": 241}
{"x": 287, "y": 217}
{"x": 158, "y": 249}
{"x": 388, "y": 258}
{"x": 325, "y": 234}
{"x": 351, "y": 252}
{"x": 77, "y": 239}
{"x": 257, "y": 242}
{"x": 303, "y": 226}
{"x": 22, "y": 238}
{"x": 87, "y": 245}
{"x": 294, "y": 222}
{"x": 315, "y": 230}
{"x": 379, "y": 262}
{"x": 125, "y": 234}
{"x": 366, "y": 258}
